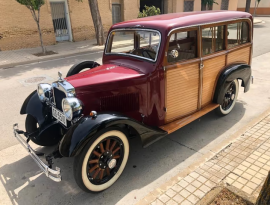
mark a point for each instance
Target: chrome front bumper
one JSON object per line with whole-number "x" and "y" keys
{"x": 51, "y": 173}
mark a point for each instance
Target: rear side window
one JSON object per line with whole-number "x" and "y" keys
{"x": 182, "y": 46}
{"x": 212, "y": 39}
{"x": 238, "y": 33}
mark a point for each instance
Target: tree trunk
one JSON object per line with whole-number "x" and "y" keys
{"x": 40, "y": 37}
{"x": 93, "y": 4}
{"x": 264, "y": 197}
{"x": 247, "y": 5}
{"x": 255, "y": 8}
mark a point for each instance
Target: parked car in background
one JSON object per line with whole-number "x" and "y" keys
{"x": 158, "y": 74}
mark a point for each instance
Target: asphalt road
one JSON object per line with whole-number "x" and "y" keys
{"x": 147, "y": 168}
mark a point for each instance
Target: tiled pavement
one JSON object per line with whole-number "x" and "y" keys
{"x": 243, "y": 164}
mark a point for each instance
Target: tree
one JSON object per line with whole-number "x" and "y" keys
{"x": 256, "y": 6}
{"x": 94, "y": 10}
{"x": 34, "y": 7}
{"x": 149, "y": 11}
{"x": 264, "y": 197}
{"x": 207, "y": 4}
{"x": 247, "y": 5}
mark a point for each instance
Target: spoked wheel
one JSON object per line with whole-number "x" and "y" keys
{"x": 102, "y": 162}
{"x": 229, "y": 99}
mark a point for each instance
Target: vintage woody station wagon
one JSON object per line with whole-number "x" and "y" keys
{"x": 158, "y": 74}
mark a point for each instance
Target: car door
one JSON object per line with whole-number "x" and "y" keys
{"x": 182, "y": 73}
{"x": 213, "y": 52}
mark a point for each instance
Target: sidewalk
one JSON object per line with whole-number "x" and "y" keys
{"x": 64, "y": 49}
{"x": 242, "y": 165}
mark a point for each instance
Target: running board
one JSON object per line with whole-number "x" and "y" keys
{"x": 177, "y": 124}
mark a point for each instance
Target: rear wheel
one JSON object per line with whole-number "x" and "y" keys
{"x": 229, "y": 99}
{"x": 102, "y": 160}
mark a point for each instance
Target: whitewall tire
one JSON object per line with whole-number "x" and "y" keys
{"x": 229, "y": 99}
{"x": 102, "y": 160}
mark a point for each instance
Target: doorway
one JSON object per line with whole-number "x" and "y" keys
{"x": 60, "y": 21}
{"x": 116, "y": 13}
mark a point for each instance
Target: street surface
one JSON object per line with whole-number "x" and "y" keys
{"x": 147, "y": 169}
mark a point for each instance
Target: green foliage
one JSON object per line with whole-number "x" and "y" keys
{"x": 209, "y": 2}
{"x": 32, "y": 4}
{"x": 149, "y": 11}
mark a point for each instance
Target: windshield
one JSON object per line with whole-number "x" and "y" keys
{"x": 139, "y": 43}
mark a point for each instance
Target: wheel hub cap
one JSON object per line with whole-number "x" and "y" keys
{"x": 111, "y": 163}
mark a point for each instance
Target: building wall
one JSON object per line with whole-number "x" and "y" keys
{"x": 18, "y": 28}
{"x": 263, "y": 8}
{"x": 81, "y": 20}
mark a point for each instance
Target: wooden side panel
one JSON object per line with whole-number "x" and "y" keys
{"x": 182, "y": 85}
{"x": 211, "y": 70}
{"x": 241, "y": 55}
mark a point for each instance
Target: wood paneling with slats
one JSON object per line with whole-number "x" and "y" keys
{"x": 211, "y": 70}
{"x": 241, "y": 55}
{"x": 182, "y": 84}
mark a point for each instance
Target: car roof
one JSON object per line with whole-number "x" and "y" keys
{"x": 167, "y": 22}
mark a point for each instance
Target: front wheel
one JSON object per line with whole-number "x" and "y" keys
{"x": 229, "y": 99}
{"x": 102, "y": 160}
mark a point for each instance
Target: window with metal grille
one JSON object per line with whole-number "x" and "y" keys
{"x": 224, "y": 5}
{"x": 188, "y": 5}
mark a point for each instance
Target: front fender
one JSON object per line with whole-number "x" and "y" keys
{"x": 229, "y": 74}
{"x": 33, "y": 106}
{"x": 80, "y": 133}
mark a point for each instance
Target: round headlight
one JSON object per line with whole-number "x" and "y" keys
{"x": 44, "y": 91}
{"x": 72, "y": 107}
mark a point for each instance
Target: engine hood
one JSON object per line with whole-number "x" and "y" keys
{"x": 102, "y": 74}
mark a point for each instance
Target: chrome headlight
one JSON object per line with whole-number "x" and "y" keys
{"x": 72, "y": 107}
{"x": 44, "y": 91}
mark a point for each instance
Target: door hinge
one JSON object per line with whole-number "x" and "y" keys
{"x": 165, "y": 109}
{"x": 164, "y": 68}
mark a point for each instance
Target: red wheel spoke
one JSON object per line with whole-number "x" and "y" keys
{"x": 94, "y": 161}
{"x": 108, "y": 171}
{"x": 96, "y": 173}
{"x": 101, "y": 174}
{"x": 93, "y": 168}
{"x": 114, "y": 143}
{"x": 101, "y": 147}
{"x": 116, "y": 150}
{"x": 116, "y": 157}
{"x": 96, "y": 153}
{"x": 108, "y": 144}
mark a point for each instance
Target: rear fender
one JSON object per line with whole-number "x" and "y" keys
{"x": 229, "y": 74}
{"x": 80, "y": 133}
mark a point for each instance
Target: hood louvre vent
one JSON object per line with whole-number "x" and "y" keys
{"x": 120, "y": 103}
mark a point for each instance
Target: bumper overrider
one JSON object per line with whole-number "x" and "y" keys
{"x": 47, "y": 170}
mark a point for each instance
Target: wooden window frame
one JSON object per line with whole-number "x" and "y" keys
{"x": 197, "y": 49}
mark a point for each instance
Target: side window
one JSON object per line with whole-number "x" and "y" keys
{"x": 182, "y": 46}
{"x": 212, "y": 39}
{"x": 237, "y": 34}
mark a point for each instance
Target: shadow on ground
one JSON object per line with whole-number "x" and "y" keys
{"x": 25, "y": 185}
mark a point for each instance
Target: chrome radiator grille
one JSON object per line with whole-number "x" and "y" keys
{"x": 58, "y": 97}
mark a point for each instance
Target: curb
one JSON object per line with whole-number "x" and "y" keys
{"x": 51, "y": 57}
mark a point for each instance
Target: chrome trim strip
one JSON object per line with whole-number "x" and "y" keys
{"x": 133, "y": 29}
{"x": 50, "y": 173}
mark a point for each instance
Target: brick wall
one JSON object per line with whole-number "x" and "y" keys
{"x": 18, "y": 28}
